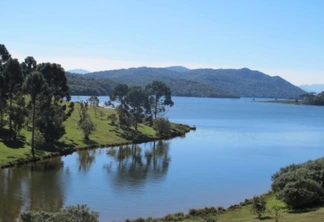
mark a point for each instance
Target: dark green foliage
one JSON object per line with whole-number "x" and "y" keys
{"x": 51, "y": 110}
{"x": 79, "y": 213}
{"x": 81, "y": 85}
{"x": 258, "y": 206}
{"x": 13, "y": 79}
{"x": 34, "y": 85}
{"x": 29, "y": 65}
{"x": 302, "y": 193}
{"x": 312, "y": 99}
{"x": 300, "y": 185}
{"x": 162, "y": 126}
{"x": 17, "y": 114}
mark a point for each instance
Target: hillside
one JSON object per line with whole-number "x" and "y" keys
{"x": 83, "y": 86}
{"x": 143, "y": 76}
{"x": 206, "y": 82}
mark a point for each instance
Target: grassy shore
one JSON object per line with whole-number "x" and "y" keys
{"x": 106, "y": 134}
{"x": 242, "y": 213}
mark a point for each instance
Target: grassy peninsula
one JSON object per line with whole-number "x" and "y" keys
{"x": 106, "y": 134}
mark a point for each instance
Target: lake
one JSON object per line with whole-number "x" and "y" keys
{"x": 238, "y": 145}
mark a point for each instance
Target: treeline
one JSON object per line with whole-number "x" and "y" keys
{"x": 313, "y": 99}
{"x": 34, "y": 96}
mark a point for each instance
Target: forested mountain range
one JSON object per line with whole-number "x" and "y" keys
{"x": 200, "y": 82}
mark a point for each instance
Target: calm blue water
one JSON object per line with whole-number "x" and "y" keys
{"x": 231, "y": 156}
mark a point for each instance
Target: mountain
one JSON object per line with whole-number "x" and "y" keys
{"x": 78, "y": 71}
{"x": 177, "y": 68}
{"x": 207, "y": 82}
{"x": 317, "y": 88}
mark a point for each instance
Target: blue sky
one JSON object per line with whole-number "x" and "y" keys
{"x": 278, "y": 37}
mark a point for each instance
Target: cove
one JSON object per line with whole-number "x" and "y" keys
{"x": 238, "y": 145}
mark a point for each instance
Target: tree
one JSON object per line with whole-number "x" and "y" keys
{"x": 94, "y": 101}
{"x": 119, "y": 95}
{"x": 34, "y": 85}
{"x": 162, "y": 126}
{"x": 17, "y": 114}
{"x": 53, "y": 110}
{"x": 4, "y": 57}
{"x": 28, "y": 65}
{"x": 85, "y": 123}
{"x": 13, "y": 79}
{"x": 136, "y": 98}
{"x": 160, "y": 97}
{"x": 258, "y": 206}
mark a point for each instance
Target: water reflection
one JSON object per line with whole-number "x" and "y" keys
{"x": 86, "y": 158}
{"x": 131, "y": 166}
{"x": 29, "y": 188}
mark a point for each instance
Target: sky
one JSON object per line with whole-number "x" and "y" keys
{"x": 277, "y": 37}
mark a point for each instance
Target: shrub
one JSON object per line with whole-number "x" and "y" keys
{"x": 258, "y": 206}
{"x": 300, "y": 185}
{"x": 80, "y": 213}
{"x": 302, "y": 193}
{"x": 162, "y": 126}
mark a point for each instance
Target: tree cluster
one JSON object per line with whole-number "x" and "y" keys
{"x": 313, "y": 99}
{"x": 136, "y": 104}
{"x": 33, "y": 95}
{"x": 301, "y": 185}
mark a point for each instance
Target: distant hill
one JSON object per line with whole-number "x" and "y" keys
{"x": 78, "y": 71}
{"x": 177, "y": 68}
{"x": 317, "y": 88}
{"x": 83, "y": 86}
{"x": 206, "y": 82}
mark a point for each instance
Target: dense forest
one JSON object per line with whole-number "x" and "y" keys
{"x": 202, "y": 82}
{"x": 85, "y": 86}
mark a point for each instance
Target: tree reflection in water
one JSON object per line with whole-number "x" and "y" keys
{"x": 132, "y": 166}
{"x": 86, "y": 158}
{"x": 29, "y": 188}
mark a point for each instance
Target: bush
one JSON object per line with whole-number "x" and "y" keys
{"x": 258, "y": 206}
{"x": 302, "y": 193}
{"x": 300, "y": 185}
{"x": 162, "y": 126}
{"x": 80, "y": 213}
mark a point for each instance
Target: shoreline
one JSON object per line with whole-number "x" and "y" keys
{"x": 71, "y": 150}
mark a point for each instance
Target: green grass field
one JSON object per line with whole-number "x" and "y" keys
{"x": 105, "y": 134}
{"x": 243, "y": 214}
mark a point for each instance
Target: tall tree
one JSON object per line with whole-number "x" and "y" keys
{"x": 53, "y": 109}
{"x": 119, "y": 95}
{"x": 160, "y": 97}
{"x": 136, "y": 99}
{"x": 85, "y": 123}
{"x": 94, "y": 102}
{"x": 13, "y": 79}
{"x": 34, "y": 85}
{"x": 17, "y": 114}
{"x": 4, "y": 57}
{"x": 28, "y": 65}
